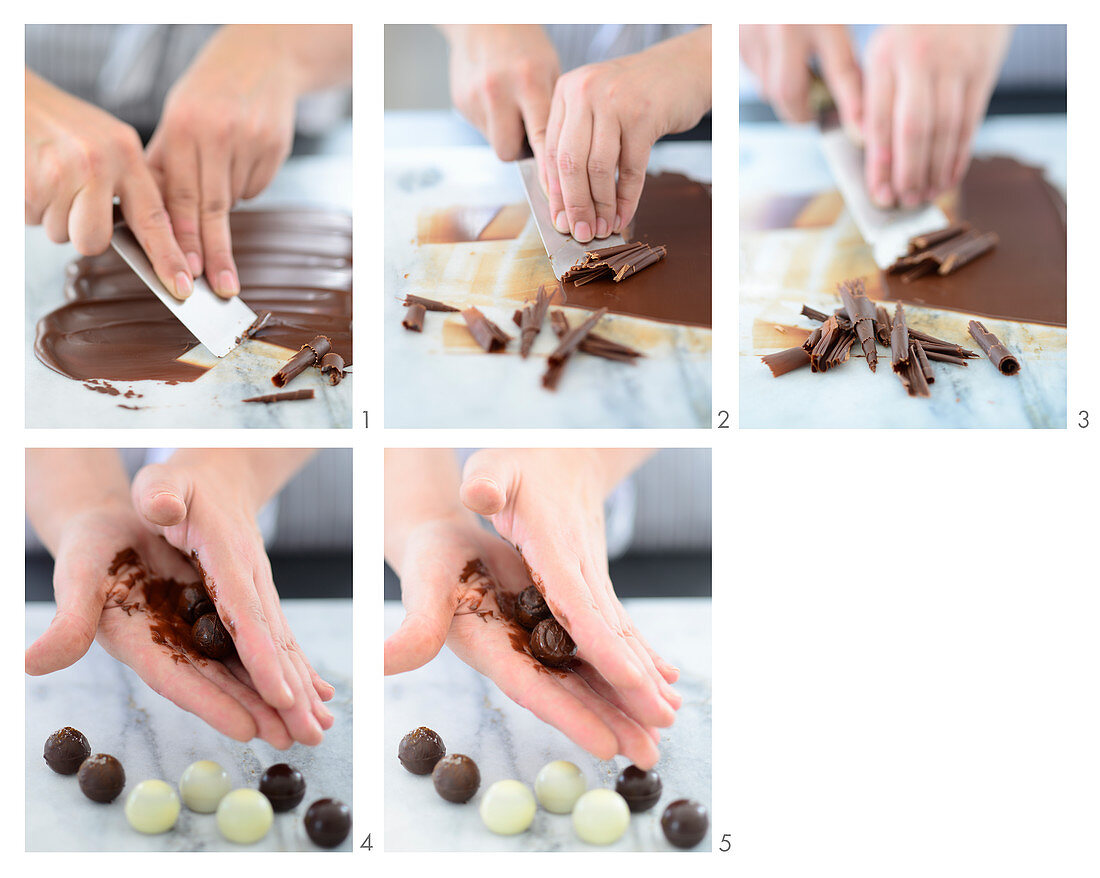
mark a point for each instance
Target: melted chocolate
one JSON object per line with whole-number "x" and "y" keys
{"x": 294, "y": 264}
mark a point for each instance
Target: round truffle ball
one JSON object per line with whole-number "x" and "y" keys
{"x": 601, "y": 817}
{"x": 685, "y": 823}
{"x": 194, "y": 603}
{"x": 101, "y": 778}
{"x": 640, "y": 788}
{"x": 558, "y": 786}
{"x": 283, "y": 785}
{"x": 203, "y": 785}
{"x": 328, "y": 822}
{"x": 420, "y": 750}
{"x": 507, "y": 808}
{"x": 65, "y": 749}
{"x": 244, "y": 816}
{"x": 552, "y": 645}
{"x": 211, "y": 638}
{"x": 152, "y": 807}
{"x": 531, "y": 607}
{"x": 456, "y": 778}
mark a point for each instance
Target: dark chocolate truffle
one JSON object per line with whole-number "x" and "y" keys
{"x": 456, "y": 778}
{"x": 531, "y": 607}
{"x": 685, "y": 822}
{"x": 65, "y": 749}
{"x": 420, "y": 750}
{"x": 328, "y": 822}
{"x": 641, "y": 789}
{"x": 101, "y": 778}
{"x": 211, "y": 638}
{"x": 194, "y": 603}
{"x": 283, "y": 785}
{"x": 552, "y": 645}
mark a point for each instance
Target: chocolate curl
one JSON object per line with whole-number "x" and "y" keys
{"x": 332, "y": 367}
{"x": 568, "y": 344}
{"x": 946, "y": 254}
{"x": 899, "y": 341}
{"x": 414, "y": 318}
{"x": 617, "y": 263}
{"x": 939, "y": 357}
{"x": 861, "y": 311}
{"x": 991, "y": 346}
{"x": 968, "y": 251}
{"x": 487, "y": 334}
{"x": 928, "y": 240}
{"x": 306, "y": 357}
{"x": 883, "y": 325}
{"x": 530, "y": 322}
{"x": 922, "y": 360}
{"x": 814, "y": 314}
{"x": 912, "y": 377}
{"x": 786, "y": 361}
{"x": 426, "y": 304}
{"x": 287, "y": 396}
{"x": 596, "y": 345}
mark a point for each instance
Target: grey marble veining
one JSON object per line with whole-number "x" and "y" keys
{"x": 506, "y": 741}
{"x": 153, "y": 738}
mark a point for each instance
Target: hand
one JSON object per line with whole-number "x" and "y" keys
{"x": 582, "y": 705}
{"x": 78, "y": 158}
{"x": 90, "y": 606}
{"x": 606, "y": 117}
{"x": 926, "y": 91}
{"x": 205, "y": 509}
{"x": 227, "y": 127}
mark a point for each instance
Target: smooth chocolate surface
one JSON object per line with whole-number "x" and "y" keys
{"x": 531, "y": 607}
{"x": 420, "y": 750}
{"x": 685, "y": 823}
{"x": 211, "y": 638}
{"x": 283, "y": 785}
{"x": 101, "y": 778}
{"x": 552, "y": 645}
{"x": 328, "y": 822}
{"x": 456, "y": 778}
{"x": 65, "y": 750}
{"x": 640, "y": 788}
{"x": 295, "y": 264}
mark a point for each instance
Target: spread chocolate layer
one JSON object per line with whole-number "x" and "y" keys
{"x": 295, "y": 264}
{"x": 1024, "y": 276}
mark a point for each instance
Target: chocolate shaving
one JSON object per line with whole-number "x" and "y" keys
{"x": 332, "y": 367}
{"x": 617, "y": 263}
{"x": 991, "y": 346}
{"x": 899, "y": 341}
{"x": 566, "y": 346}
{"x": 861, "y": 311}
{"x": 306, "y": 357}
{"x": 883, "y": 325}
{"x": 928, "y": 240}
{"x": 426, "y": 304}
{"x": 414, "y": 318}
{"x": 530, "y": 320}
{"x": 283, "y": 397}
{"x": 596, "y": 345}
{"x": 943, "y": 251}
{"x": 786, "y": 361}
{"x": 922, "y": 360}
{"x": 487, "y": 334}
{"x": 927, "y": 340}
{"x": 912, "y": 376}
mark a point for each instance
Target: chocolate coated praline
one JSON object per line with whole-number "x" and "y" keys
{"x": 65, "y": 749}
{"x": 531, "y": 607}
{"x": 420, "y": 750}
{"x": 456, "y": 778}
{"x": 552, "y": 645}
{"x": 685, "y": 823}
{"x": 283, "y": 785}
{"x": 101, "y": 778}
{"x": 641, "y": 789}
{"x": 194, "y": 603}
{"x": 328, "y": 822}
{"x": 211, "y": 638}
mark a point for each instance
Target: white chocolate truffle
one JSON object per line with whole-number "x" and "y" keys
{"x": 601, "y": 816}
{"x": 507, "y": 808}
{"x": 558, "y": 786}
{"x": 152, "y": 807}
{"x": 244, "y": 816}
{"x": 202, "y": 785}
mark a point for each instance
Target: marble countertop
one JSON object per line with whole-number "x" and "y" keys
{"x": 506, "y": 741}
{"x": 433, "y": 382}
{"x": 214, "y": 400}
{"x": 155, "y": 739}
{"x": 786, "y": 160}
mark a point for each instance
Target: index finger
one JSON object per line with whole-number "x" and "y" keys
{"x": 534, "y": 107}
{"x": 147, "y": 218}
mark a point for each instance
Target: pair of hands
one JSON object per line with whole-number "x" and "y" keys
{"x": 549, "y": 503}
{"x": 915, "y": 106}
{"x": 585, "y": 125}
{"x": 269, "y": 690}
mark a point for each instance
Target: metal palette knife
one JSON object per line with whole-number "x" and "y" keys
{"x": 563, "y": 250}
{"x": 216, "y": 322}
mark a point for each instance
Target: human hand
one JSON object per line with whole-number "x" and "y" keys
{"x": 227, "y": 127}
{"x": 606, "y": 117}
{"x": 440, "y": 608}
{"x": 206, "y": 508}
{"x": 78, "y": 158}
{"x": 93, "y": 603}
{"x": 925, "y": 93}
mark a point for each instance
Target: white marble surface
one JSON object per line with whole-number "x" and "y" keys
{"x": 506, "y": 741}
{"x": 431, "y": 384}
{"x": 214, "y": 400}
{"x": 153, "y": 738}
{"x": 781, "y": 159}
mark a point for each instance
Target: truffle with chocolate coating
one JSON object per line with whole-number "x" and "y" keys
{"x": 420, "y": 750}
{"x": 641, "y": 789}
{"x": 685, "y": 823}
{"x": 211, "y": 638}
{"x": 456, "y": 778}
{"x": 283, "y": 785}
{"x": 101, "y": 778}
{"x": 328, "y": 822}
{"x": 552, "y": 645}
{"x": 531, "y": 607}
{"x": 65, "y": 749}
{"x": 194, "y": 603}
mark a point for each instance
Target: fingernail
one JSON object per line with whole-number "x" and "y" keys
{"x": 227, "y": 282}
{"x": 618, "y": 227}
{"x": 561, "y": 223}
{"x": 601, "y": 228}
{"x": 194, "y": 262}
{"x": 183, "y": 285}
{"x": 883, "y": 196}
{"x": 582, "y": 232}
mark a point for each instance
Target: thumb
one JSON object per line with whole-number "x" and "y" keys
{"x": 489, "y": 480}
{"x": 73, "y": 627}
{"x": 422, "y": 633}
{"x": 161, "y": 494}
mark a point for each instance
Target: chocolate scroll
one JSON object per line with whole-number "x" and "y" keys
{"x": 487, "y": 334}
{"x": 991, "y": 346}
{"x": 310, "y": 353}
